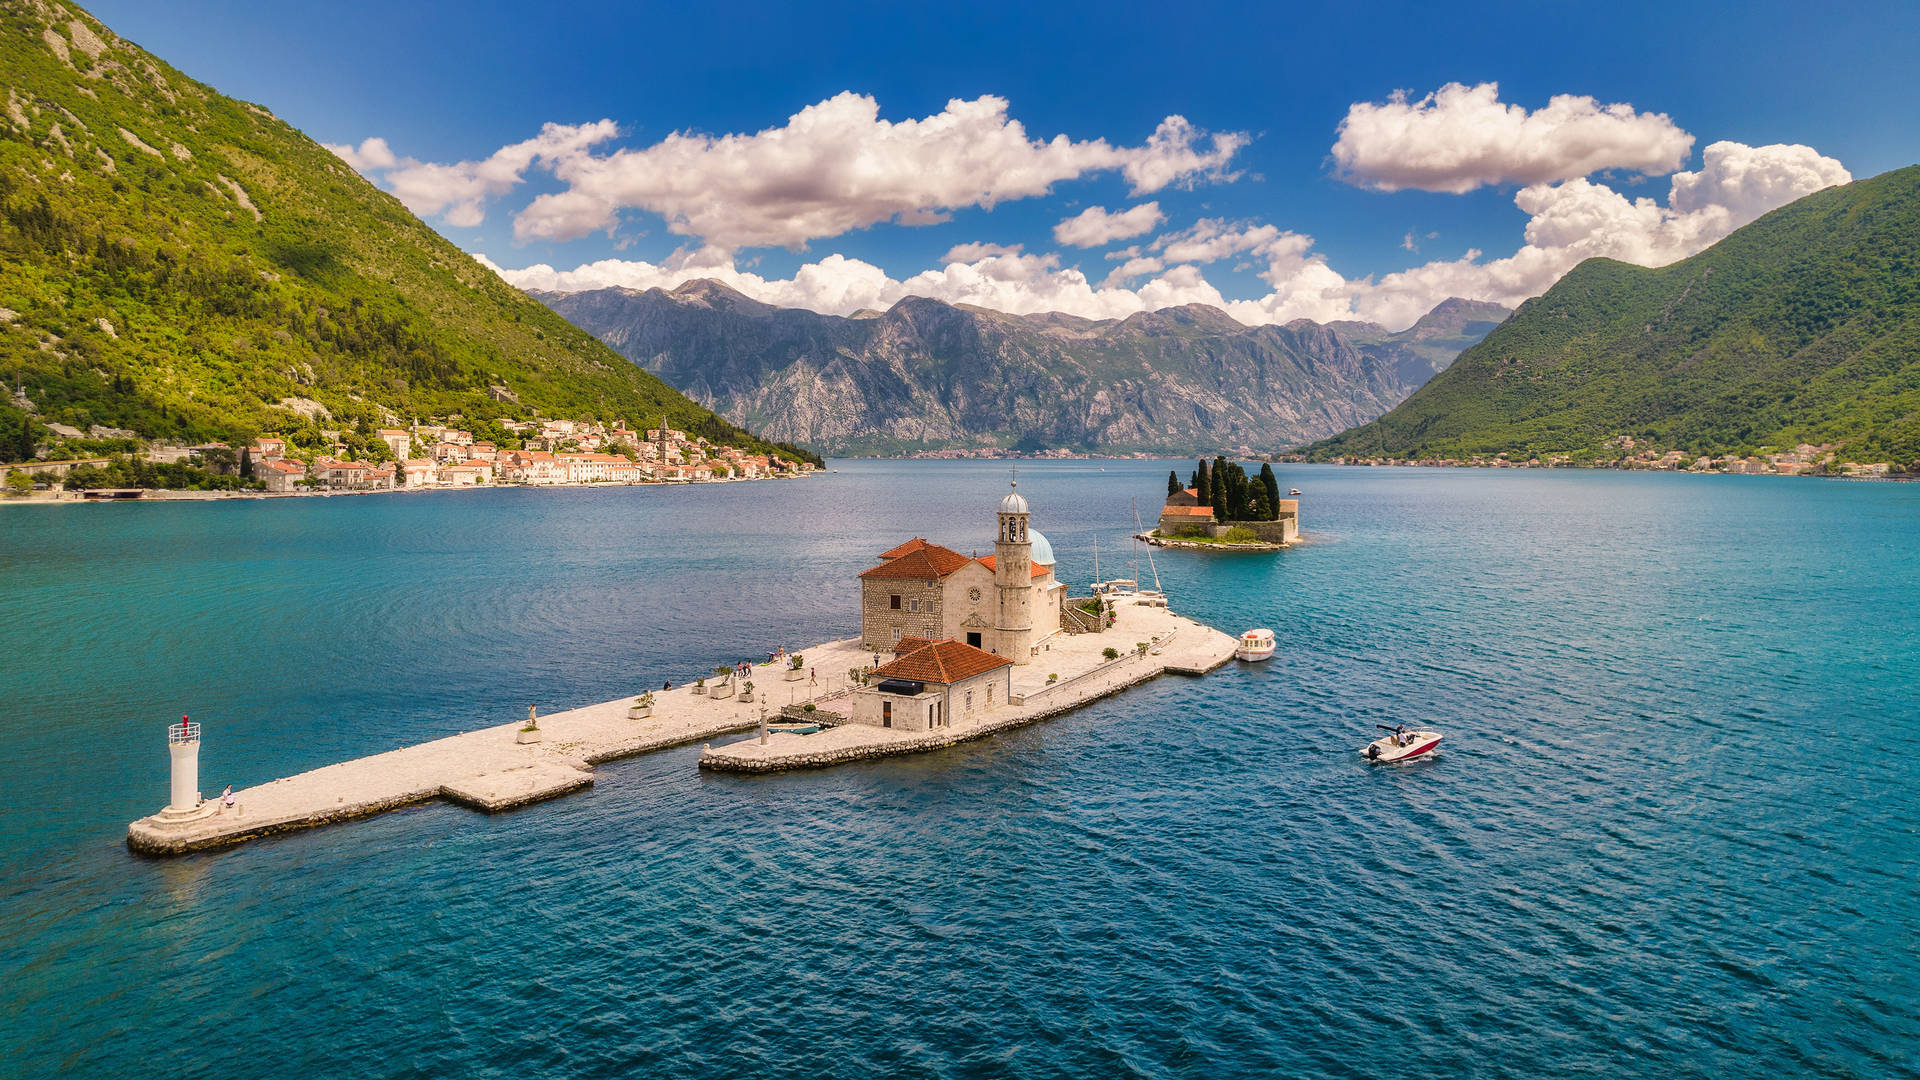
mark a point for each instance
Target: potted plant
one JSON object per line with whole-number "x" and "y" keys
{"x": 723, "y": 685}
{"x": 1053, "y": 677}
{"x": 1139, "y": 648}
{"x": 746, "y": 690}
{"x": 796, "y": 667}
{"x": 700, "y": 686}
{"x": 642, "y": 707}
{"x": 1110, "y": 653}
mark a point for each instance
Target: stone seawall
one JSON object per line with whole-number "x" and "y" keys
{"x": 718, "y": 762}
{"x": 1185, "y": 648}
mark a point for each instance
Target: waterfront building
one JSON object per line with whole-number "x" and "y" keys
{"x": 398, "y": 440}
{"x": 280, "y": 474}
{"x": 932, "y": 684}
{"x": 421, "y": 472}
{"x": 1007, "y": 604}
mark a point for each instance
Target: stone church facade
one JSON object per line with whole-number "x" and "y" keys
{"x": 1006, "y": 603}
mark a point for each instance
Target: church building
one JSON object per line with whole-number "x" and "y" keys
{"x": 1006, "y": 603}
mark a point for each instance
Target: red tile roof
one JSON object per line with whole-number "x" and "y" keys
{"x": 1187, "y": 511}
{"x": 927, "y": 563}
{"x": 1035, "y": 569}
{"x": 946, "y": 662}
{"x": 911, "y": 644}
{"x": 914, "y": 544}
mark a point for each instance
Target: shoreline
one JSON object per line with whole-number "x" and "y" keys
{"x": 1253, "y": 547}
{"x": 160, "y": 495}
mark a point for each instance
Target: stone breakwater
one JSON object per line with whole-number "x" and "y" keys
{"x": 490, "y": 769}
{"x": 1188, "y": 648}
{"x": 503, "y": 767}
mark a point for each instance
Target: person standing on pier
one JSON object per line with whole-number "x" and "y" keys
{"x": 226, "y": 797}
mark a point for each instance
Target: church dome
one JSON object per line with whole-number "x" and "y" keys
{"x": 1014, "y": 503}
{"x": 1042, "y": 548}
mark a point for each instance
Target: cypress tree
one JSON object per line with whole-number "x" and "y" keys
{"x": 1221, "y": 508}
{"x": 1272, "y": 484}
{"x": 1173, "y": 483}
{"x": 1203, "y": 484}
{"x": 1257, "y": 504}
{"x": 246, "y": 462}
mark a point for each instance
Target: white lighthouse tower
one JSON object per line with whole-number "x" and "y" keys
{"x": 1013, "y": 580}
{"x": 183, "y": 745}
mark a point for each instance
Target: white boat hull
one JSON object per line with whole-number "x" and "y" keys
{"x": 1254, "y": 645}
{"x": 1392, "y": 748}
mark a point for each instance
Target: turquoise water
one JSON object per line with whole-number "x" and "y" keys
{"x": 1671, "y": 835}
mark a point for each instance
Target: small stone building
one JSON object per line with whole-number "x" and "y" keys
{"x": 933, "y": 684}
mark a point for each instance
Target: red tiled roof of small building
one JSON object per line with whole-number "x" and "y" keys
{"x": 1187, "y": 511}
{"x": 928, "y": 563}
{"x": 911, "y": 644}
{"x": 946, "y": 661}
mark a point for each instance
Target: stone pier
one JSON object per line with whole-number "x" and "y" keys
{"x": 500, "y": 768}
{"x": 492, "y": 769}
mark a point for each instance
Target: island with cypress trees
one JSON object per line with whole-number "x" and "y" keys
{"x": 1220, "y": 506}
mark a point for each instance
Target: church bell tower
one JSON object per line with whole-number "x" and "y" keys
{"x": 1013, "y": 580}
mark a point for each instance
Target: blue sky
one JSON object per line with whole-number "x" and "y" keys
{"x": 1268, "y": 220}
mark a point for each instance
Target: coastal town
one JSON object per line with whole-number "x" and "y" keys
{"x": 1627, "y": 452}
{"x": 419, "y": 456}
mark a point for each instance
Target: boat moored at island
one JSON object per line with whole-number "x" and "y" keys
{"x": 1254, "y": 645}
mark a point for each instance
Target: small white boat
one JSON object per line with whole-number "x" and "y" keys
{"x": 1255, "y": 645}
{"x": 1399, "y": 744}
{"x": 1295, "y": 491}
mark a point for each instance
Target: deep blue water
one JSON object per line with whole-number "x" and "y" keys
{"x": 1672, "y": 833}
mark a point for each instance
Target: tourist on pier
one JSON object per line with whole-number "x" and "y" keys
{"x": 226, "y": 797}
{"x": 668, "y": 685}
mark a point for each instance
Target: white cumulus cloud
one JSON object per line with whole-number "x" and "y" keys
{"x": 460, "y": 192}
{"x": 1213, "y": 239}
{"x": 372, "y": 155}
{"x": 837, "y": 166}
{"x": 1095, "y": 226}
{"x": 974, "y": 252}
{"x": 1462, "y": 137}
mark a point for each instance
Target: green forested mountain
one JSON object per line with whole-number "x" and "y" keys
{"x": 1803, "y": 326}
{"x": 184, "y": 265}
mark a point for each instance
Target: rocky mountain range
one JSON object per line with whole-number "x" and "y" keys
{"x": 931, "y": 375}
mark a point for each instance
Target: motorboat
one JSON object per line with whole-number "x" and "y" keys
{"x": 1254, "y": 645}
{"x": 1293, "y": 491}
{"x": 793, "y": 729}
{"x": 1399, "y": 744}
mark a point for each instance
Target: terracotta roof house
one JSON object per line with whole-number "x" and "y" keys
{"x": 933, "y": 684}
